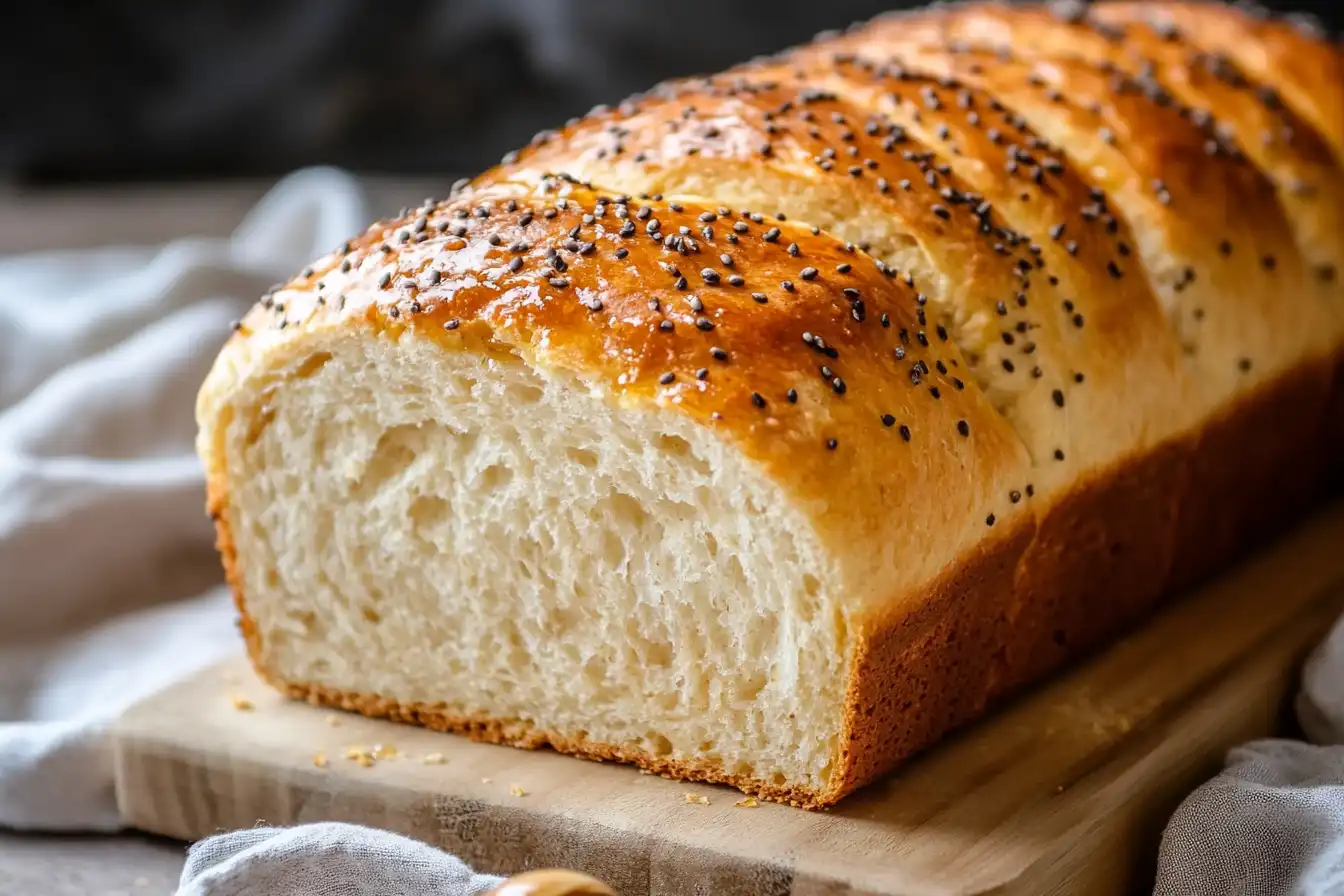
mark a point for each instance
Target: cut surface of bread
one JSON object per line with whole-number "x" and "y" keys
{"x": 444, "y": 471}
{"x": 766, "y": 427}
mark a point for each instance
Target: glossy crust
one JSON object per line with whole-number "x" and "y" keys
{"x": 1295, "y": 60}
{"x": 1250, "y": 312}
{"x": 1293, "y": 65}
{"x": 1180, "y": 294}
{"x": 1270, "y": 89}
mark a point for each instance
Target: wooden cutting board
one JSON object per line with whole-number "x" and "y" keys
{"x": 1065, "y": 790}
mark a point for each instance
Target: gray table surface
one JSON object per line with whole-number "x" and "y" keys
{"x": 129, "y": 864}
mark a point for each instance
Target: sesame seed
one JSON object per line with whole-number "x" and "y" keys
{"x": 709, "y": 275}
{"x": 963, "y": 427}
{"x": 1059, "y": 454}
{"x": 666, "y": 326}
{"x": 989, "y": 520}
{"x": 1058, "y": 397}
{"x": 792, "y": 396}
{"x": 704, "y": 323}
{"x": 758, "y": 399}
{"x": 452, "y": 324}
{"x": 905, "y": 432}
{"x": 888, "y": 420}
{"x": 832, "y": 444}
{"x": 718, "y": 354}
{"x": 808, "y": 273}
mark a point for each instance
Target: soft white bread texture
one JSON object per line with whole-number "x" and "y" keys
{"x": 593, "y": 509}
{"x": 766, "y": 427}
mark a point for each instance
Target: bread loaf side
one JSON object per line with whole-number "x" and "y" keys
{"x": 769, "y": 425}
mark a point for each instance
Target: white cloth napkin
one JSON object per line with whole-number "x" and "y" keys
{"x": 108, "y": 578}
{"x": 107, "y": 587}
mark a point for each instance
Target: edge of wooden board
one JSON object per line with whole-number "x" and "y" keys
{"x": 1063, "y": 790}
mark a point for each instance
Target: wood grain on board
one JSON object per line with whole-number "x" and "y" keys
{"x": 1063, "y": 790}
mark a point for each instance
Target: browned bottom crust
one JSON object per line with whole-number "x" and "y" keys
{"x": 524, "y": 735}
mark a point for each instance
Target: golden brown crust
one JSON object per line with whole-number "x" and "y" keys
{"x": 1294, "y": 67}
{"x": 655, "y": 316}
{"x": 1228, "y": 260}
{"x": 1305, "y": 68}
{"x": 1165, "y": 63}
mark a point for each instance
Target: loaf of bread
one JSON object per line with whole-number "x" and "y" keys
{"x": 769, "y": 425}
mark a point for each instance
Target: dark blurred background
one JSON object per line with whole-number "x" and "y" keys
{"x": 137, "y": 90}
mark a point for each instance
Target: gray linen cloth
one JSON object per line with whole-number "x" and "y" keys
{"x": 108, "y": 583}
{"x": 1273, "y": 821}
